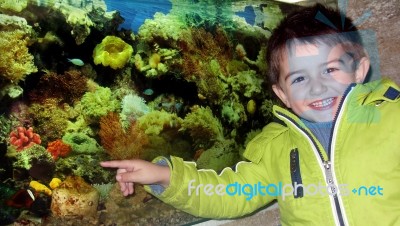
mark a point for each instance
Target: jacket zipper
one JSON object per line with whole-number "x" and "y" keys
{"x": 326, "y": 164}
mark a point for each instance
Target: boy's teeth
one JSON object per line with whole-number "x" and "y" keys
{"x": 322, "y": 103}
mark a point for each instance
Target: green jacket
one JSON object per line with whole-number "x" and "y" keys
{"x": 359, "y": 184}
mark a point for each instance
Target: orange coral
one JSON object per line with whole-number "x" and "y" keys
{"x": 58, "y": 148}
{"x": 118, "y": 143}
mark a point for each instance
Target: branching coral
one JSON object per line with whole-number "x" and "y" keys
{"x": 117, "y": 142}
{"x": 68, "y": 87}
{"x": 24, "y": 138}
{"x": 15, "y": 60}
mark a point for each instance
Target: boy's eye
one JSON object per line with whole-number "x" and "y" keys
{"x": 298, "y": 79}
{"x": 329, "y": 70}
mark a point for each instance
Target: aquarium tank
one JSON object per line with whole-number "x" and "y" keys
{"x": 83, "y": 81}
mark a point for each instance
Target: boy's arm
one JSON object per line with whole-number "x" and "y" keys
{"x": 204, "y": 192}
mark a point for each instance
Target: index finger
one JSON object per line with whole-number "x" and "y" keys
{"x": 117, "y": 164}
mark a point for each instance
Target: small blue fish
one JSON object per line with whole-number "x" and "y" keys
{"x": 76, "y": 61}
{"x": 148, "y": 92}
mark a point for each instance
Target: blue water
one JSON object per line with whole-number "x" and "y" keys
{"x": 136, "y": 11}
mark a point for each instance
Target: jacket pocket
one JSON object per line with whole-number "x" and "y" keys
{"x": 295, "y": 174}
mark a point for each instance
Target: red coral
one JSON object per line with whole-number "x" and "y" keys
{"x": 58, "y": 149}
{"x": 23, "y": 138}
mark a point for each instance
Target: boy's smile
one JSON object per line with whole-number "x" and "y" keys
{"x": 314, "y": 77}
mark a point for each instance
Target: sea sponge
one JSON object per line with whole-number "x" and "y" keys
{"x": 39, "y": 187}
{"x": 113, "y": 52}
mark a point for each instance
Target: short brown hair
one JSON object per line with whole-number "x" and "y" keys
{"x": 311, "y": 25}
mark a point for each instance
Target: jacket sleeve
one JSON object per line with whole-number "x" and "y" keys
{"x": 204, "y": 193}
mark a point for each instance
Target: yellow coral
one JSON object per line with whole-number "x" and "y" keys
{"x": 15, "y": 60}
{"x": 55, "y": 183}
{"x": 39, "y": 187}
{"x": 113, "y": 52}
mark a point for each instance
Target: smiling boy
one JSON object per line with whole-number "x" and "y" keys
{"x": 333, "y": 152}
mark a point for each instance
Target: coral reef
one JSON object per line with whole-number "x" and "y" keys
{"x": 113, "y": 52}
{"x": 58, "y": 149}
{"x": 117, "y": 142}
{"x": 23, "y": 138}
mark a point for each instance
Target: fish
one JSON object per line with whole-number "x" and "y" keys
{"x": 21, "y": 199}
{"x": 148, "y": 92}
{"x": 76, "y": 61}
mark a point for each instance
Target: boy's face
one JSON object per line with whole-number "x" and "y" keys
{"x": 314, "y": 77}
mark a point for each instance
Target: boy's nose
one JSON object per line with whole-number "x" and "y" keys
{"x": 317, "y": 87}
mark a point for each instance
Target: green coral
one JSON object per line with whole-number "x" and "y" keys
{"x": 234, "y": 113}
{"x": 98, "y": 103}
{"x": 25, "y": 158}
{"x": 246, "y": 82}
{"x": 85, "y": 166}
{"x": 5, "y": 128}
{"x": 82, "y": 143}
{"x": 203, "y": 127}
{"x": 50, "y": 120}
{"x": 104, "y": 190}
{"x": 222, "y": 154}
{"x": 156, "y": 121}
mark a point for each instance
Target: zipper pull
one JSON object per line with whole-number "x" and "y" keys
{"x": 329, "y": 177}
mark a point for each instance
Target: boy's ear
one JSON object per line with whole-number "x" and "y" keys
{"x": 281, "y": 94}
{"x": 362, "y": 69}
